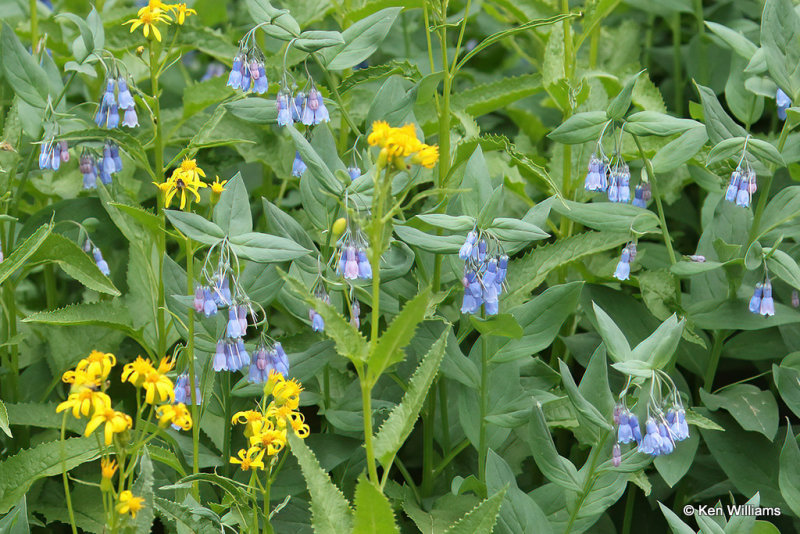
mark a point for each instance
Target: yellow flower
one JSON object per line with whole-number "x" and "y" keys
{"x": 166, "y": 365}
{"x": 183, "y": 12}
{"x": 136, "y": 371}
{"x": 97, "y": 364}
{"x": 107, "y": 468}
{"x": 80, "y": 380}
{"x": 251, "y": 418}
{"x": 85, "y": 402}
{"x": 148, "y": 18}
{"x": 128, "y": 504}
{"x": 218, "y": 187}
{"x": 176, "y": 414}
{"x": 156, "y": 384}
{"x": 299, "y": 426}
{"x": 182, "y": 181}
{"x": 287, "y": 393}
{"x": 189, "y": 167}
{"x": 427, "y": 156}
{"x": 250, "y": 458}
{"x": 274, "y": 378}
{"x": 399, "y": 143}
{"x": 269, "y": 440}
{"x": 116, "y": 422}
{"x": 380, "y": 134}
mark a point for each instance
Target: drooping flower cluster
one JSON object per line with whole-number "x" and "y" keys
{"x": 742, "y": 185}
{"x": 485, "y": 267}
{"x": 117, "y": 97}
{"x": 265, "y": 429}
{"x": 350, "y": 259}
{"x": 317, "y": 322}
{"x": 397, "y": 144}
{"x": 101, "y": 263}
{"x": 623, "y": 270}
{"x": 52, "y": 154}
{"x": 157, "y": 11}
{"x": 268, "y": 357}
{"x": 248, "y": 68}
{"x": 611, "y": 176}
{"x": 641, "y": 195}
{"x": 306, "y": 108}
{"x": 665, "y": 424}
{"x": 783, "y": 102}
{"x": 761, "y": 302}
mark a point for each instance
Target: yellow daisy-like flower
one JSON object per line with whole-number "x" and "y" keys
{"x": 128, "y": 504}
{"x": 189, "y": 167}
{"x": 97, "y": 364}
{"x": 80, "y": 380}
{"x": 136, "y": 371}
{"x": 287, "y": 393}
{"x": 107, "y": 469}
{"x": 182, "y": 181}
{"x": 380, "y": 133}
{"x": 85, "y": 402}
{"x": 183, "y": 12}
{"x": 427, "y": 156}
{"x": 270, "y": 440}
{"x": 297, "y": 421}
{"x": 148, "y": 18}
{"x": 176, "y": 414}
{"x": 252, "y": 420}
{"x": 218, "y": 187}
{"x": 158, "y": 388}
{"x": 399, "y": 143}
{"x": 115, "y": 423}
{"x": 273, "y": 379}
{"x": 250, "y": 458}
{"x": 167, "y": 364}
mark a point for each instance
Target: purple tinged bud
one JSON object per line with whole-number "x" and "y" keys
{"x": 616, "y": 455}
{"x": 364, "y": 268}
{"x": 755, "y": 300}
{"x": 101, "y": 263}
{"x": 283, "y": 103}
{"x": 783, "y": 102}
{"x": 64, "y": 153}
{"x": 351, "y": 264}
{"x": 209, "y": 303}
{"x": 297, "y": 106}
{"x": 767, "y": 304}
{"x": 697, "y": 258}
{"x": 298, "y": 165}
{"x": 633, "y": 422}
{"x": 795, "y": 299}
{"x": 354, "y": 173}
{"x": 355, "y": 313}
{"x": 199, "y": 299}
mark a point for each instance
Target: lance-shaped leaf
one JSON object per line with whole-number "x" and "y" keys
{"x": 580, "y": 128}
{"x": 17, "y": 258}
{"x": 588, "y": 415}
{"x": 349, "y": 341}
{"x": 143, "y": 487}
{"x": 481, "y": 519}
{"x": 330, "y": 511}
{"x": 360, "y": 40}
{"x": 195, "y": 226}
{"x": 389, "y": 349}
{"x": 266, "y": 248}
{"x": 615, "y": 341}
{"x": 789, "y": 475}
{"x": 556, "y": 468}
{"x": 657, "y": 349}
{"x": 373, "y": 511}
{"x": 232, "y": 212}
{"x": 619, "y": 106}
{"x": 398, "y": 426}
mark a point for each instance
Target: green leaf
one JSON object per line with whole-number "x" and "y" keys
{"x": 615, "y": 341}
{"x": 315, "y": 40}
{"x": 186, "y": 517}
{"x": 25, "y": 250}
{"x": 720, "y": 125}
{"x": 519, "y": 514}
{"x": 654, "y": 123}
{"x": 230, "y": 487}
{"x": 672, "y": 467}
{"x": 314, "y": 162}
{"x": 349, "y": 341}
{"x": 675, "y": 523}
{"x": 734, "y": 39}
{"x": 127, "y": 142}
{"x": 680, "y": 150}
{"x": 360, "y": 40}
{"x": 503, "y": 325}
{"x": 16, "y": 521}
{"x": 86, "y": 35}
{"x": 692, "y": 268}
{"x": 782, "y": 208}
{"x": 611, "y": 216}
{"x": 442, "y": 244}
{"x": 476, "y": 184}
{"x": 527, "y": 273}
{"x": 787, "y": 379}
{"x": 455, "y": 223}
{"x": 281, "y": 223}
{"x": 22, "y": 72}
{"x": 330, "y": 511}
{"x": 232, "y": 212}
{"x": 589, "y": 417}
{"x": 195, "y": 226}
{"x": 18, "y": 472}
{"x": 784, "y": 267}
{"x": 389, "y": 348}
{"x": 659, "y": 347}
{"x": 73, "y": 261}
{"x": 780, "y": 32}
{"x": 110, "y": 314}
{"x": 734, "y": 315}
{"x": 484, "y": 98}
{"x": 700, "y": 421}
{"x": 143, "y": 487}
{"x": 265, "y": 248}
{"x": 398, "y": 426}
{"x": 255, "y": 110}
{"x": 506, "y": 229}
{"x": 373, "y": 511}
{"x": 4, "y": 422}
{"x": 481, "y": 519}
{"x": 789, "y": 474}
{"x": 40, "y": 415}
{"x": 753, "y": 409}
{"x": 541, "y": 319}
{"x": 580, "y": 128}
{"x": 557, "y": 469}
{"x": 618, "y": 107}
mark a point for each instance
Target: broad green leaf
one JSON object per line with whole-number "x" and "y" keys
{"x": 18, "y": 472}
{"x": 265, "y": 248}
{"x": 636, "y": 368}
{"x": 594, "y": 384}
{"x": 691, "y": 268}
{"x": 491, "y": 206}
{"x": 86, "y": 35}
{"x": 232, "y": 212}
{"x": 780, "y": 32}
{"x": 503, "y": 325}
{"x": 330, "y": 511}
{"x": 580, "y": 128}
{"x": 654, "y": 123}
{"x": 481, "y": 519}
{"x": 281, "y": 223}
{"x": 485, "y": 98}
{"x": 557, "y": 469}
{"x": 389, "y": 348}
{"x": 73, "y": 261}
{"x": 22, "y": 72}
{"x": 111, "y": 314}
{"x": 441, "y": 244}
{"x": 263, "y": 11}
{"x": 40, "y": 415}
{"x": 784, "y": 267}
{"x": 455, "y": 223}
{"x": 229, "y": 486}
{"x": 4, "y": 422}
{"x": 744, "y": 523}
{"x": 610, "y": 216}
{"x": 195, "y": 226}
{"x": 519, "y": 514}
{"x": 16, "y": 521}
{"x": 782, "y": 208}
{"x": 765, "y": 151}
{"x": 314, "y": 162}
{"x": 618, "y": 107}
{"x": 660, "y": 346}
{"x": 753, "y": 408}
{"x": 589, "y": 417}
{"x": 373, "y": 512}
{"x": 349, "y": 341}
{"x": 720, "y": 125}
{"x": 315, "y": 40}
{"x": 672, "y": 467}
{"x": 255, "y": 110}
{"x": 680, "y": 150}
{"x": 541, "y": 319}
{"x": 734, "y": 39}
{"x": 615, "y": 341}
{"x": 25, "y": 250}
{"x": 360, "y": 40}
{"x": 734, "y": 315}
{"x": 143, "y": 487}
{"x": 527, "y": 273}
{"x": 476, "y": 184}
{"x": 676, "y": 524}
{"x": 787, "y": 379}
{"x": 398, "y": 426}
{"x": 187, "y": 517}
{"x": 507, "y": 229}
{"x": 789, "y": 475}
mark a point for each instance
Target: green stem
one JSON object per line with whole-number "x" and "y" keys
{"x": 34, "y": 24}
{"x": 677, "y": 63}
{"x": 158, "y": 153}
{"x": 591, "y": 476}
{"x": 483, "y": 446}
{"x": 192, "y": 371}
{"x": 713, "y": 362}
{"x": 267, "y": 525}
{"x": 65, "y": 478}
{"x": 657, "y": 195}
{"x": 629, "y": 502}
{"x": 568, "y": 45}
{"x": 226, "y": 438}
{"x": 444, "y": 115}
{"x": 427, "y": 443}
{"x": 450, "y": 457}
{"x": 366, "y": 402}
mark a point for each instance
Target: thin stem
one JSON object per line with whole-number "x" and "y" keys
{"x": 366, "y": 402}
{"x": 657, "y": 195}
{"x": 677, "y": 63}
{"x": 34, "y": 23}
{"x": 64, "y": 477}
{"x": 226, "y": 402}
{"x": 450, "y": 457}
{"x": 629, "y": 502}
{"x": 713, "y": 362}
{"x": 483, "y": 445}
{"x": 190, "y": 360}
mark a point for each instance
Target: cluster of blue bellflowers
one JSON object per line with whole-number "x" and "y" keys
{"x": 52, "y": 154}
{"x": 662, "y": 430}
{"x": 742, "y": 185}
{"x": 485, "y": 268}
{"x": 116, "y": 98}
{"x": 761, "y": 302}
{"x": 614, "y": 179}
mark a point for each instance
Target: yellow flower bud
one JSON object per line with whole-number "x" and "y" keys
{"x": 339, "y": 226}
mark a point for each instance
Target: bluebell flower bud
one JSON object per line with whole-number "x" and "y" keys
{"x": 351, "y": 263}
{"x": 767, "y": 304}
{"x": 130, "y": 119}
{"x": 354, "y": 173}
{"x": 199, "y": 300}
{"x": 55, "y": 157}
{"x": 258, "y": 373}
{"x": 795, "y": 299}
{"x": 44, "y": 155}
{"x": 355, "y": 314}
{"x": 633, "y": 422}
{"x": 221, "y": 356}
{"x": 235, "y": 77}
{"x": 616, "y": 455}
{"x": 279, "y": 360}
{"x": 680, "y": 428}
{"x": 101, "y": 263}
{"x": 667, "y": 444}
{"x": 697, "y": 258}
{"x": 298, "y": 166}
{"x": 755, "y": 300}
{"x": 108, "y": 97}
{"x": 297, "y": 106}
{"x": 617, "y": 413}
{"x": 234, "y": 329}
{"x": 642, "y": 195}
{"x": 651, "y": 444}
{"x": 183, "y": 391}
{"x": 502, "y": 269}
{"x": 733, "y": 186}
{"x": 222, "y": 291}
{"x": 241, "y": 313}
{"x": 64, "y": 151}
{"x": 473, "y": 293}
{"x": 317, "y": 323}
{"x": 624, "y": 185}
{"x": 466, "y": 249}
{"x": 283, "y": 103}
{"x": 116, "y": 158}
{"x": 623, "y": 269}
{"x": 364, "y": 268}
{"x": 125, "y": 97}
{"x": 260, "y": 83}
{"x": 314, "y": 111}
{"x": 596, "y": 176}
{"x": 624, "y": 432}
{"x": 209, "y": 303}
{"x": 245, "y": 77}
{"x": 107, "y": 164}
{"x": 342, "y": 261}
{"x": 482, "y": 245}
{"x": 783, "y": 103}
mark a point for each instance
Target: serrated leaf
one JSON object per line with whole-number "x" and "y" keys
{"x": 373, "y": 511}
{"x": 398, "y": 426}
{"x": 4, "y": 422}
{"x": 23, "y": 251}
{"x": 73, "y": 261}
{"x": 330, "y": 511}
{"x": 18, "y": 472}
{"x": 481, "y": 519}
{"x": 143, "y": 487}
{"x": 185, "y": 517}
{"x": 389, "y": 348}
{"x": 107, "y": 313}
{"x": 40, "y": 415}
{"x": 485, "y": 98}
